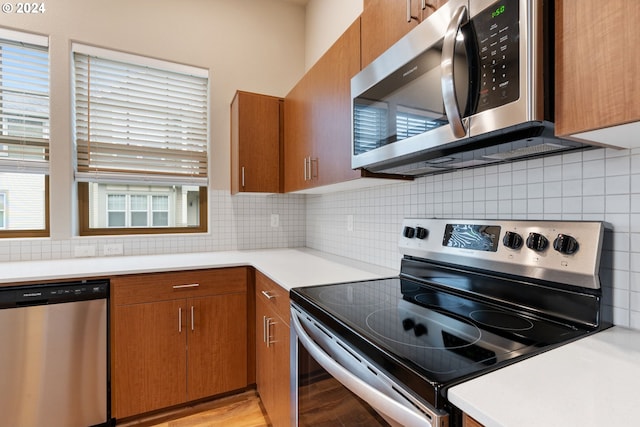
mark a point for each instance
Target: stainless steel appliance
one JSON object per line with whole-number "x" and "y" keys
{"x": 472, "y": 296}
{"x": 471, "y": 85}
{"x": 54, "y": 355}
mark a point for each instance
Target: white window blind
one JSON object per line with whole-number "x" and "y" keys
{"x": 370, "y": 128}
{"x": 24, "y": 103}
{"x": 138, "y": 119}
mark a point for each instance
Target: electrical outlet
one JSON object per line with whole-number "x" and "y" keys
{"x": 349, "y": 222}
{"x": 275, "y": 220}
{"x": 84, "y": 251}
{"x": 111, "y": 249}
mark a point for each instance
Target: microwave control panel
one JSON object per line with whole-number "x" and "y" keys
{"x": 497, "y": 36}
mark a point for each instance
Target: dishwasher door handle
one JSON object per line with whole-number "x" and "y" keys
{"x": 373, "y": 397}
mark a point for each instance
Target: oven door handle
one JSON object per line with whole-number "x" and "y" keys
{"x": 382, "y": 403}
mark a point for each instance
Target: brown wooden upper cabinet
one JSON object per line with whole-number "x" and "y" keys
{"x": 256, "y": 143}
{"x": 597, "y": 65}
{"x": 317, "y": 128}
{"x": 384, "y": 22}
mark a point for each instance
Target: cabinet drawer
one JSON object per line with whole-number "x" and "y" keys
{"x": 140, "y": 288}
{"x": 274, "y": 295}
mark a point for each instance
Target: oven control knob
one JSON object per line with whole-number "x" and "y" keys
{"x": 421, "y": 233}
{"x": 419, "y": 330}
{"x": 408, "y": 324}
{"x": 537, "y": 242}
{"x": 566, "y": 244}
{"x": 409, "y": 232}
{"x": 512, "y": 240}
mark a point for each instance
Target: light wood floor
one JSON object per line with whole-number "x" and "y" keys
{"x": 240, "y": 410}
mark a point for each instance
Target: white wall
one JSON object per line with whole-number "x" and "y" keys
{"x": 246, "y": 44}
{"x": 326, "y": 20}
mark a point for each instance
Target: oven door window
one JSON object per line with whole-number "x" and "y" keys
{"x": 324, "y": 401}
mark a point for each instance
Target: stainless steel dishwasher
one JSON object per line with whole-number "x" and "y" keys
{"x": 54, "y": 355}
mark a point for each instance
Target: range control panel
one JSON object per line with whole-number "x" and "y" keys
{"x": 562, "y": 251}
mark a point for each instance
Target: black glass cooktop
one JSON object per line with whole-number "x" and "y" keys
{"x": 439, "y": 336}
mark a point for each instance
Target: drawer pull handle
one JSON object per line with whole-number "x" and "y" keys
{"x": 192, "y": 321}
{"x": 191, "y": 285}
{"x": 268, "y": 295}
{"x": 180, "y": 319}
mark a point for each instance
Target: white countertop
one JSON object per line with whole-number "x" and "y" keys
{"x": 288, "y": 267}
{"x": 592, "y": 382}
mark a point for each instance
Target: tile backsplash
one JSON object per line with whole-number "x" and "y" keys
{"x": 602, "y": 185}
{"x": 236, "y": 222}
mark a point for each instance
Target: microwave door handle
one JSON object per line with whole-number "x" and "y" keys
{"x": 448, "y": 81}
{"x": 377, "y": 400}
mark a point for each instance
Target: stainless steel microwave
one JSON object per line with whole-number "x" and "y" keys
{"x": 471, "y": 85}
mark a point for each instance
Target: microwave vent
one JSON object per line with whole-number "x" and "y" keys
{"x": 526, "y": 151}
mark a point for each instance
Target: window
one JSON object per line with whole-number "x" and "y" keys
{"x": 141, "y": 134}
{"x": 24, "y": 134}
{"x": 137, "y": 210}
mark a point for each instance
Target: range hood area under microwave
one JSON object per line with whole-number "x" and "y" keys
{"x": 472, "y": 85}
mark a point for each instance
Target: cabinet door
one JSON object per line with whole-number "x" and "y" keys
{"x": 596, "y": 68}
{"x": 264, "y": 360}
{"x": 331, "y": 79}
{"x": 272, "y": 363}
{"x": 467, "y": 421}
{"x": 384, "y": 22}
{"x": 256, "y": 139}
{"x": 318, "y": 118}
{"x": 217, "y": 344}
{"x": 149, "y": 360}
{"x": 280, "y": 415}
{"x": 297, "y": 136}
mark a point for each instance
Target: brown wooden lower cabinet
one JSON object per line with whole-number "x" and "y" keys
{"x": 272, "y": 350}
{"x": 467, "y": 421}
{"x": 177, "y": 337}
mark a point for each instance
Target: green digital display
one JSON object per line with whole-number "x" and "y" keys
{"x": 499, "y": 11}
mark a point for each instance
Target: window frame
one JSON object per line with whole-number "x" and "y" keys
{"x": 84, "y": 178}
{"x": 40, "y": 168}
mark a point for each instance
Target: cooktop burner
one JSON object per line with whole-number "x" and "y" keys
{"x": 501, "y": 320}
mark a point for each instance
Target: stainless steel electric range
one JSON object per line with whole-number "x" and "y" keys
{"x": 472, "y": 296}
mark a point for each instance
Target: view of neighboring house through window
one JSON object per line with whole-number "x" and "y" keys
{"x": 141, "y": 136}
{"x": 24, "y": 134}
{"x": 138, "y": 210}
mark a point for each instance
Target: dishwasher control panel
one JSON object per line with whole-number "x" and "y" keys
{"x": 52, "y": 293}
